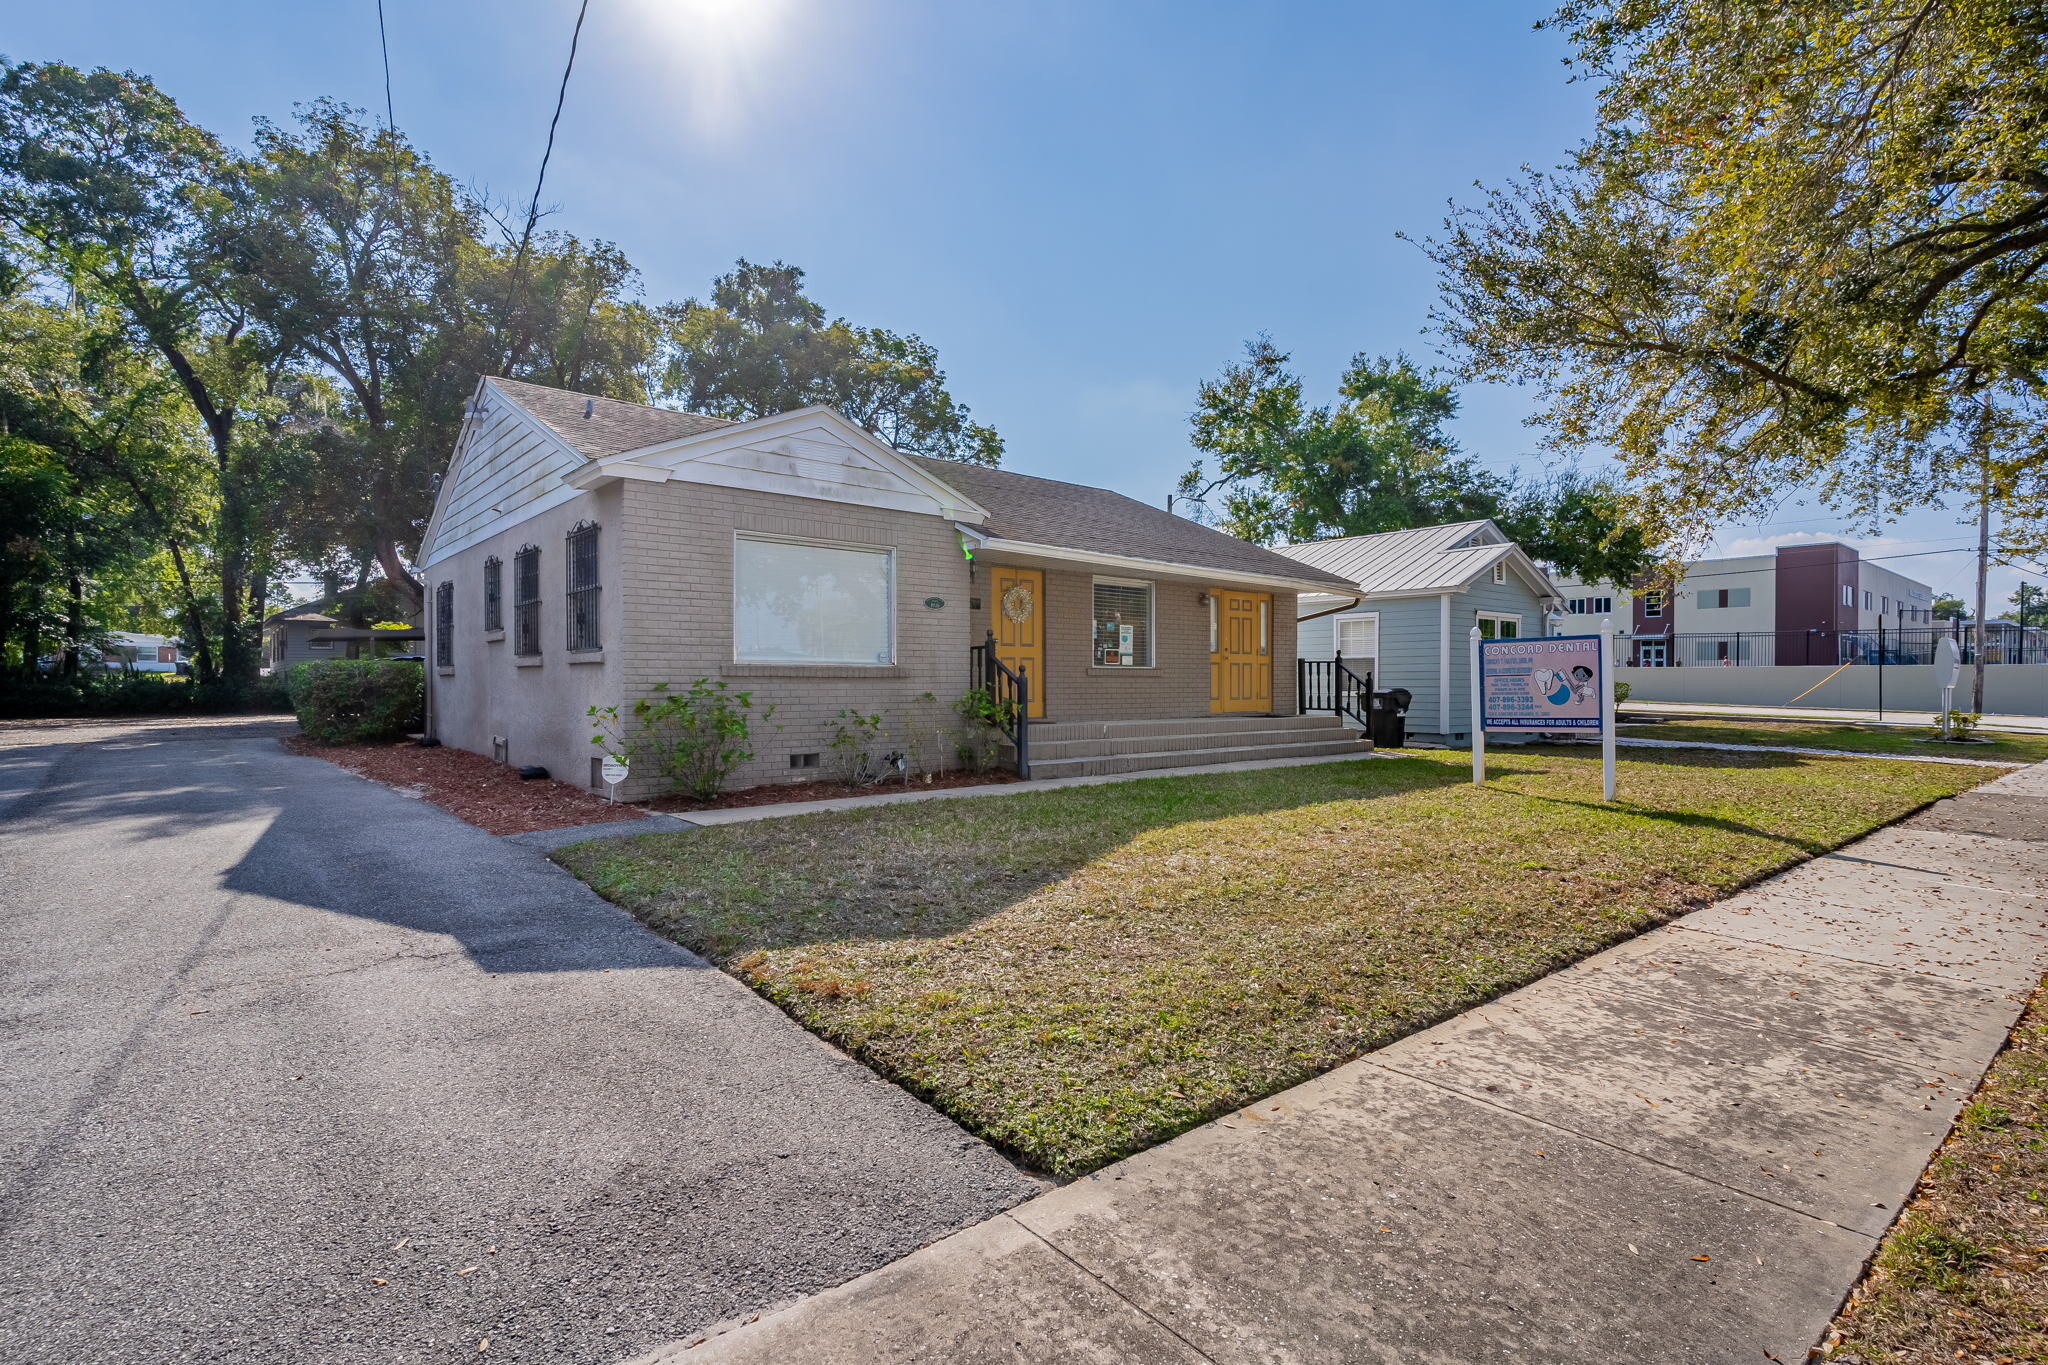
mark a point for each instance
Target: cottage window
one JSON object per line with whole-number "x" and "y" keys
{"x": 805, "y": 602}
{"x": 1358, "y": 641}
{"x": 1123, "y": 623}
{"x": 583, "y": 589}
{"x": 444, "y": 625}
{"x": 526, "y": 602}
{"x": 494, "y": 594}
{"x": 1495, "y": 626}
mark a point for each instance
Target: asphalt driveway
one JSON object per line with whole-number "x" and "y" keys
{"x": 299, "y": 1069}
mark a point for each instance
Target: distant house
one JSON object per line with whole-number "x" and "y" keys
{"x": 584, "y": 551}
{"x": 312, "y": 632}
{"x": 1418, "y": 594}
{"x": 133, "y": 651}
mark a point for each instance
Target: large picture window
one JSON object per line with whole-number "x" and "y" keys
{"x": 806, "y": 603}
{"x": 1123, "y": 623}
{"x": 583, "y": 589}
{"x": 526, "y": 602}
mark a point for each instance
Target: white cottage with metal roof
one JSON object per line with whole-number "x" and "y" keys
{"x": 1420, "y": 592}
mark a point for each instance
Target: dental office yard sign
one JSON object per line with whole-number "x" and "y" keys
{"x": 1552, "y": 684}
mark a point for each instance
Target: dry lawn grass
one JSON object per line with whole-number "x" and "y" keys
{"x": 1077, "y": 974}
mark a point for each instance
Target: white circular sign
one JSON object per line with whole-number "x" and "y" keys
{"x": 613, "y": 771}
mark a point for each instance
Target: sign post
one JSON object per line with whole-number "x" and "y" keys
{"x": 1948, "y": 670}
{"x": 1606, "y": 685}
{"x": 613, "y": 771}
{"x": 1544, "y": 683}
{"x": 1478, "y": 715}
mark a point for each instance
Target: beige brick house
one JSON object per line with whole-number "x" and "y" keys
{"x": 583, "y": 551}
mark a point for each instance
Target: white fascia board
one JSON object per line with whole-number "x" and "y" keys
{"x": 999, "y": 545}
{"x": 672, "y": 454}
{"x": 599, "y": 473}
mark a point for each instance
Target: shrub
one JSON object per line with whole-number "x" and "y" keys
{"x": 854, "y": 740}
{"x": 695, "y": 739}
{"x": 349, "y": 701}
{"x": 103, "y": 692}
{"x": 1620, "y": 692}
{"x": 988, "y": 724}
{"x": 1961, "y": 725}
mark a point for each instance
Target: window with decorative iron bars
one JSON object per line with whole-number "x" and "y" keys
{"x": 583, "y": 588}
{"x": 526, "y": 601}
{"x": 444, "y": 625}
{"x": 494, "y": 593}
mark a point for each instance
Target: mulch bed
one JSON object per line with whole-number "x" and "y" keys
{"x": 482, "y": 791}
{"x": 776, "y": 793}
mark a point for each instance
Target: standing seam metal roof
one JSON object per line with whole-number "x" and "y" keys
{"x": 1423, "y": 559}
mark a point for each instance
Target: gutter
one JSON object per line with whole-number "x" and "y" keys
{"x": 1328, "y": 611}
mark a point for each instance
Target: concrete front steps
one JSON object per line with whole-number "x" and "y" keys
{"x": 1095, "y": 748}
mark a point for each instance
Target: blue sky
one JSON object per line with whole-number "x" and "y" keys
{"x": 1088, "y": 208}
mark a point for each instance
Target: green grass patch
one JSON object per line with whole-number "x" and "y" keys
{"x": 1963, "y": 1275}
{"x": 1854, "y": 739}
{"x": 1077, "y": 974}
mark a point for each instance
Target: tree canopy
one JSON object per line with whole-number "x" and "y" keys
{"x": 1807, "y": 246}
{"x": 262, "y": 356}
{"x": 1379, "y": 459}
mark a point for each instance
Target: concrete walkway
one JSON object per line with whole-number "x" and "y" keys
{"x": 1680, "y": 1150}
{"x": 1900, "y": 716}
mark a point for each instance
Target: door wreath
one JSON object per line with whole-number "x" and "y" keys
{"x": 1017, "y": 604}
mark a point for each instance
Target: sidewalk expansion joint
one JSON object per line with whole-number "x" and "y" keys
{"x": 1109, "y": 1288}
{"x": 1951, "y": 978}
{"x": 1619, "y": 1150}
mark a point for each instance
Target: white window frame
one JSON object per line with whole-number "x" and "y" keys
{"x": 1151, "y": 623}
{"x": 888, "y": 554}
{"x": 1848, "y": 594}
{"x": 1497, "y": 617}
{"x": 1653, "y": 605}
{"x": 1500, "y": 572}
{"x": 1337, "y": 634}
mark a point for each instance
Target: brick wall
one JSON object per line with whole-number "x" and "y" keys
{"x": 1176, "y": 685}
{"x": 678, "y": 604}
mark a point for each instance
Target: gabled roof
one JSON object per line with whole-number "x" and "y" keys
{"x": 613, "y": 427}
{"x": 1032, "y": 511}
{"x": 1023, "y": 513}
{"x": 1424, "y": 559}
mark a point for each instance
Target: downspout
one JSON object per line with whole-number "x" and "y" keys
{"x": 1443, "y": 664}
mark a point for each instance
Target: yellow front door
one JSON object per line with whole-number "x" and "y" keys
{"x": 1019, "y": 616}
{"x": 1240, "y": 650}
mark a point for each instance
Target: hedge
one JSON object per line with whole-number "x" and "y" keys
{"x": 349, "y": 701}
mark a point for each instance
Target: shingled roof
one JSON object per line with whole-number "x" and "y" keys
{"x": 1074, "y": 516}
{"x": 1022, "y": 508}
{"x": 613, "y": 427}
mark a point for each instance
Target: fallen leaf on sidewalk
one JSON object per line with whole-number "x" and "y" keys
{"x": 466, "y": 1270}
{"x": 1703, "y": 1258}
{"x": 483, "y": 1345}
{"x": 399, "y": 1245}
{"x": 380, "y": 1281}
{"x": 1632, "y": 1250}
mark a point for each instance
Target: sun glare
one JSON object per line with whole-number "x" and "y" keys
{"x": 711, "y": 56}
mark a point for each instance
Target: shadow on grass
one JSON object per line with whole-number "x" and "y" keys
{"x": 930, "y": 869}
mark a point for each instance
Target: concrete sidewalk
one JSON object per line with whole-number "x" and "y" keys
{"x": 1904, "y": 717}
{"x": 1680, "y": 1150}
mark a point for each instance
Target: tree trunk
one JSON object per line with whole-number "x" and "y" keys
{"x": 392, "y": 565}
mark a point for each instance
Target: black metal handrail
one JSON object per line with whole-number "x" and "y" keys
{"x": 1009, "y": 694}
{"x": 1330, "y": 685}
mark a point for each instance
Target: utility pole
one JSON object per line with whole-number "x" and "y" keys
{"x": 1983, "y": 551}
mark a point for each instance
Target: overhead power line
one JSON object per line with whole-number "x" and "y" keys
{"x": 384, "y": 45}
{"x": 561, "y": 97}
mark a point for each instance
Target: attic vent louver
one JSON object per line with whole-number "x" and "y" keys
{"x": 589, "y": 406}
